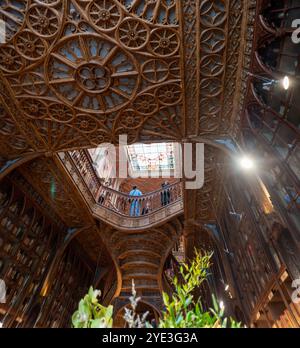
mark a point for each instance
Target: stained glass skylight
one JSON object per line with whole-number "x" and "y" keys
{"x": 152, "y": 157}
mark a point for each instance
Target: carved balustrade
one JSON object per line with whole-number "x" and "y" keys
{"x": 113, "y": 206}
{"x": 135, "y": 206}
{"x": 83, "y": 162}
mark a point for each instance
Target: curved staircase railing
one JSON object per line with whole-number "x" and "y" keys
{"x": 119, "y": 209}
{"x": 83, "y": 163}
{"x": 136, "y": 206}
{"x": 116, "y": 208}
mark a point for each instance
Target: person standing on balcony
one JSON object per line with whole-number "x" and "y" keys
{"x": 165, "y": 193}
{"x": 101, "y": 198}
{"x": 162, "y": 194}
{"x": 135, "y": 203}
{"x": 146, "y": 210}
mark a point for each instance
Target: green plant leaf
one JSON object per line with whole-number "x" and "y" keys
{"x": 181, "y": 311}
{"x": 165, "y": 298}
{"x": 98, "y": 323}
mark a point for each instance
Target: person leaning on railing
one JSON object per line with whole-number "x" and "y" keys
{"x": 134, "y": 202}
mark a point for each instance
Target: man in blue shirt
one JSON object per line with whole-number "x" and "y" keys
{"x": 135, "y": 203}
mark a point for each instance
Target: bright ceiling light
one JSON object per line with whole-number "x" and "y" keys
{"x": 247, "y": 163}
{"x": 227, "y": 287}
{"x": 286, "y": 83}
{"x": 1, "y": 324}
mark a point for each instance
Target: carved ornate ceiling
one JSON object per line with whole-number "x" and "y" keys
{"x": 82, "y": 72}
{"x": 76, "y": 73}
{"x": 213, "y": 47}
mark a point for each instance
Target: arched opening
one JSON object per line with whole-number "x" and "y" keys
{"x": 142, "y": 307}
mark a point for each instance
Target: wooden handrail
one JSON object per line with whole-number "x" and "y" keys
{"x": 171, "y": 186}
{"x": 121, "y": 202}
{"x": 135, "y": 206}
{"x": 83, "y": 162}
{"x": 137, "y": 212}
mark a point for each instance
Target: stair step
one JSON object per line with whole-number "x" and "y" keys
{"x": 139, "y": 276}
{"x": 140, "y": 287}
{"x": 134, "y": 264}
{"x": 138, "y": 251}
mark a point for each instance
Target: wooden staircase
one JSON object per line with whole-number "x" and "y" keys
{"x": 139, "y": 245}
{"x": 114, "y": 206}
{"x": 140, "y": 256}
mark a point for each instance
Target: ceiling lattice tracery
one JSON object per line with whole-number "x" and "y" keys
{"x": 12, "y": 141}
{"x": 84, "y": 72}
{"x": 77, "y": 73}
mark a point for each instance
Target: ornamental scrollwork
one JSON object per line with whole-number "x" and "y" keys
{"x": 97, "y": 67}
{"x": 90, "y": 73}
{"x": 86, "y": 70}
{"x": 43, "y": 20}
{"x": 13, "y": 14}
{"x": 105, "y": 14}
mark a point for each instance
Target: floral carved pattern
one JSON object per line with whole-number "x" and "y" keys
{"x": 105, "y": 14}
{"x": 212, "y": 61}
{"x": 83, "y": 71}
{"x": 89, "y": 77}
{"x": 43, "y": 20}
{"x": 212, "y": 43}
{"x": 97, "y": 67}
{"x": 13, "y": 14}
{"x": 12, "y": 141}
